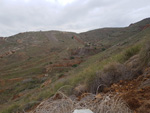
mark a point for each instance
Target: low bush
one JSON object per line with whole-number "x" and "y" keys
{"x": 75, "y": 65}
{"x": 111, "y": 73}
{"x": 72, "y": 57}
{"x": 61, "y": 75}
{"x": 133, "y": 64}
{"x": 50, "y": 62}
{"x": 103, "y": 49}
{"x": 145, "y": 54}
{"x": 140, "y": 61}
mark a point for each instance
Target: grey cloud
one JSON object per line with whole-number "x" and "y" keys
{"x": 20, "y": 16}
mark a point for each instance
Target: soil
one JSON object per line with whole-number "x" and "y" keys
{"x": 135, "y": 92}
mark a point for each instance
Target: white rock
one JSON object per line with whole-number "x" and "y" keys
{"x": 83, "y": 111}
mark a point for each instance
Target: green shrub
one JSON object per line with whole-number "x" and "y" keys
{"x": 71, "y": 57}
{"x": 75, "y": 65}
{"x": 145, "y": 54}
{"x": 103, "y": 49}
{"x": 130, "y": 52}
{"x": 61, "y": 75}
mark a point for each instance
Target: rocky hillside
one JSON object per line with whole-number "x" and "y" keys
{"x": 34, "y": 65}
{"x": 126, "y": 96}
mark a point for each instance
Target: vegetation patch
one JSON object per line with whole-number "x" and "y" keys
{"x": 127, "y": 54}
{"x": 11, "y": 109}
{"x": 75, "y": 65}
{"x": 145, "y": 54}
{"x": 111, "y": 73}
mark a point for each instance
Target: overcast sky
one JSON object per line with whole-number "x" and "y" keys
{"x": 69, "y": 15}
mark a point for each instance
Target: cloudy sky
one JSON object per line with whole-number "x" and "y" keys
{"x": 69, "y": 15}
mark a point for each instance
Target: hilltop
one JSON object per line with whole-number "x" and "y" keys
{"x": 34, "y": 65}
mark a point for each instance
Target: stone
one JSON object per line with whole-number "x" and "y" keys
{"x": 82, "y": 111}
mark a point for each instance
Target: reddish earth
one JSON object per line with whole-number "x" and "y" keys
{"x": 17, "y": 96}
{"x": 39, "y": 76}
{"x": 1, "y": 91}
{"x": 19, "y": 41}
{"x": 15, "y": 80}
{"x": 3, "y": 82}
{"x": 66, "y": 63}
{"x": 46, "y": 83}
{"x": 146, "y": 26}
{"x": 80, "y": 41}
{"x": 7, "y": 53}
{"x": 135, "y": 92}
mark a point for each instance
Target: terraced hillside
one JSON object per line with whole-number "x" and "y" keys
{"x": 34, "y": 65}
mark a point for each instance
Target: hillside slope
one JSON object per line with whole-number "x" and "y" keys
{"x": 112, "y": 36}
{"x": 43, "y": 62}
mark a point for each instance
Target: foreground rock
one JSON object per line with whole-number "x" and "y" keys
{"x": 83, "y": 111}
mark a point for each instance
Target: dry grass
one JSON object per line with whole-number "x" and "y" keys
{"x": 60, "y": 103}
{"x": 111, "y": 104}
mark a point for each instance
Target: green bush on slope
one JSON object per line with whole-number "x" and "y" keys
{"x": 127, "y": 54}
{"x": 114, "y": 72}
{"x": 145, "y": 54}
